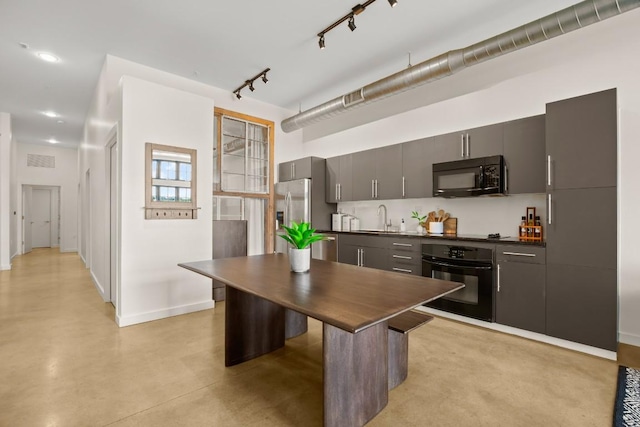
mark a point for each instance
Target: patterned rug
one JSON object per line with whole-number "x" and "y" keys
{"x": 627, "y": 409}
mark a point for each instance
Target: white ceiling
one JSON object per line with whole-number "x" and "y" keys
{"x": 223, "y": 43}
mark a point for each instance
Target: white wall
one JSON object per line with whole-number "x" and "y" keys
{"x": 64, "y": 175}
{"x": 518, "y": 85}
{"x": 104, "y": 117}
{"x": 5, "y": 191}
{"x": 152, "y": 286}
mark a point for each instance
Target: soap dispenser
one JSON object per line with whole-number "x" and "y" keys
{"x": 402, "y": 226}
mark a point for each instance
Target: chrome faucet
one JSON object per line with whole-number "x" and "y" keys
{"x": 385, "y": 216}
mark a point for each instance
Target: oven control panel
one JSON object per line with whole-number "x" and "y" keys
{"x": 456, "y": 252}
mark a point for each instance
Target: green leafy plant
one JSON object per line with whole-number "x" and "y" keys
{"x": 416, "y": 215}
{"x": 301, "y": 235}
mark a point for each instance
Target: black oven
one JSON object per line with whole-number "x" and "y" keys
{"x": 471, "y": 266}
{"x": 470, "y": 177}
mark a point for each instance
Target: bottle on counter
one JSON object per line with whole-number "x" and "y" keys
{"x": 402, "y": 226}
{"x": 523, "y": 227}
{"x": 537, "y": 232}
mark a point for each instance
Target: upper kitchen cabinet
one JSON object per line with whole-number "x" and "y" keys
{"x": 295, "y": 169}
{"x": 377, "y": 173}
{"x": 417, "y": 177}
{"x": 524, "y": 153}
{"x": 338, "y": 179}
{"x": 581, "y": 136}
{"x": 484, "y": 141}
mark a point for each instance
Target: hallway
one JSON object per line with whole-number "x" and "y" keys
{"x": 64, "y": 362}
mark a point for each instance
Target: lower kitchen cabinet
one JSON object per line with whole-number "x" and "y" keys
{"x": 364, "y": 251}
{"x": 582, "y": 305}
{"x": 520, "y": 287}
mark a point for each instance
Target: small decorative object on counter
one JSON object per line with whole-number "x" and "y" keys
{"x": 530, "y": 229}
{"x": 300, "y": 236}
{"x": 402, "y": 226}
{"x": 421, "y": 224}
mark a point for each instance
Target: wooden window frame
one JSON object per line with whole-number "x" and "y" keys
{"x": 269, "y": 225}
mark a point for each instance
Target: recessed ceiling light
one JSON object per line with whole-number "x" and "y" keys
{"x": 51, "y": 114}
{"x": 52, "y": 141}
{"x": 45, "y": 56}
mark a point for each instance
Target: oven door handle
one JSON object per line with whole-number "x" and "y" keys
{"x": 444, "y": 264}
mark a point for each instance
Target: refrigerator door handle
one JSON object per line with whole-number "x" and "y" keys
{"x": 287, "y": 206}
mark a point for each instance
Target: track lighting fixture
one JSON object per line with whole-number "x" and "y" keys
{"x": 249, "y": 83}
{"x": 352, "y": 23}
{"x": 355, "y": 10}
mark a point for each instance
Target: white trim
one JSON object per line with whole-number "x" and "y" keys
{"x": 594, "y": 351}
{"x": 630, "y": 339}
{"x": 98, "y": 286}
{"x": 164, "y": 313}
{"x": 5, "y": 266}
{"x": 69, "y": 250}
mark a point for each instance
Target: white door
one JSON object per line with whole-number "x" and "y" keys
{"x": 41, "y": 218}
{"x": 27, "y": 197}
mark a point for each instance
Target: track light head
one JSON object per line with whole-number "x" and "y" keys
{"x": 321, "y": 41}
{"x": 393, "y": 3}
{"x": 264, "y": 77}
{"x": 238, "y": 94}
{"x": 250, "y": 84}
{"x": 352, "y": 23}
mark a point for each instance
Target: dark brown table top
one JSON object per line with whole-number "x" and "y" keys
{"x": 345, "y": 296}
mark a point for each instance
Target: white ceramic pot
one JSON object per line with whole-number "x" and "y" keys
{"x": 300, "y": 259}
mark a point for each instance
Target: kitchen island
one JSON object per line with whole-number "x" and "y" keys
{"x": 354, "y": 304}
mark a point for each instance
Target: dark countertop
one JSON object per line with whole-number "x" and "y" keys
{"x": 509, "y": 240}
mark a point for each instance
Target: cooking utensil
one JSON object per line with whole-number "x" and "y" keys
{"x": 440, "y": 215}
{"x": 445, "y": 217}
{"x": 431, "y": 217}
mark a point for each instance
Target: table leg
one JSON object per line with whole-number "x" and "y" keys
{"x": 294, "y": 323}
{"x": 253, "y": 327}
{"x": 355, "y": 375}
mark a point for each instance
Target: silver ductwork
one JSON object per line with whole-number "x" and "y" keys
{"x": 566, "y": 20}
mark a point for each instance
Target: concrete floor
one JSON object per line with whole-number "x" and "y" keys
{"x": 64, "y": 362}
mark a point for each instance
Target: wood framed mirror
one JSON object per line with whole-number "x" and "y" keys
{"x": 170, "y": 182}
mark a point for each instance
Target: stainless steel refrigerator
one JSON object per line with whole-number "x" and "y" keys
{"x": 300, "y": 201}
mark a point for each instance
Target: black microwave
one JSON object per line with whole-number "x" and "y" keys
{"x": 470, "y": 177}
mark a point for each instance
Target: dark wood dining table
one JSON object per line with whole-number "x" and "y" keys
{"x": 354, "y": 305}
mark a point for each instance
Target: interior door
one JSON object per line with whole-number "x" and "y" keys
{"x": 27, "y": 198}
{"x": 41, "y": 218}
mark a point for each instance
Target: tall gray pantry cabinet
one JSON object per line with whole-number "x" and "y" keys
{"x": 581, "y": 148}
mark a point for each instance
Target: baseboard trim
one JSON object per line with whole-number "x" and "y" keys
{"x": 98, "y": 286}
{"x": 5, "y": 266}
{"x": 630, "y": 339}
{"x": 582, "y": 348}
{"x": 70, "y": 250}
{"x": 163, "y": 314}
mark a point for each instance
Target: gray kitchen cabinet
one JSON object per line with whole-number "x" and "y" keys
{"x": 363, "y": 250}
{"x": 295, "y": 169}
{"x": 582, "y": 305}
{"x": 405, "y": 255}
{"x": 583, "y": 229}
{"x": 520, "y": 287}
{"x": 338, "y": 179}
{"x": 377, "y": 173}
{"x": 468, "y": 144}
{"x": 581, "y": 147}
{"x": 417, "y": 175}
{"x": 581, "y": 137}
{"x": 524, "y": 155}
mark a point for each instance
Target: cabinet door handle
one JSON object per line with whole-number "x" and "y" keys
{"x": 331, "y": 239}
{"x": 337, "y": 194}
{"x": 518, "y": 254}
{"x": 373, "y": 194}
{"x": 498, "y": 278}
{"x": 292, "y": 170}
{"x": 403, "y": 244}
{"x": 549, "y": 170}
{"x": 550, "y": 211}
{"x": 376, "y": 188}
{"x": 403, "y": 270}
{"x": 506, "y": 179}
{"x": 358, "y": 258}
{"x": 403, "y": 185}
{"x": 402, "y": 257}
{"x": 462, "y": 145}
{"x": 340, "y": 191}
{"x": 468, "y": 146}
{"x": 362, "y": 258}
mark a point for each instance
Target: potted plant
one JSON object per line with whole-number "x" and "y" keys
{"x": 421, "y": 224}
{"x": 300, "y": 236}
